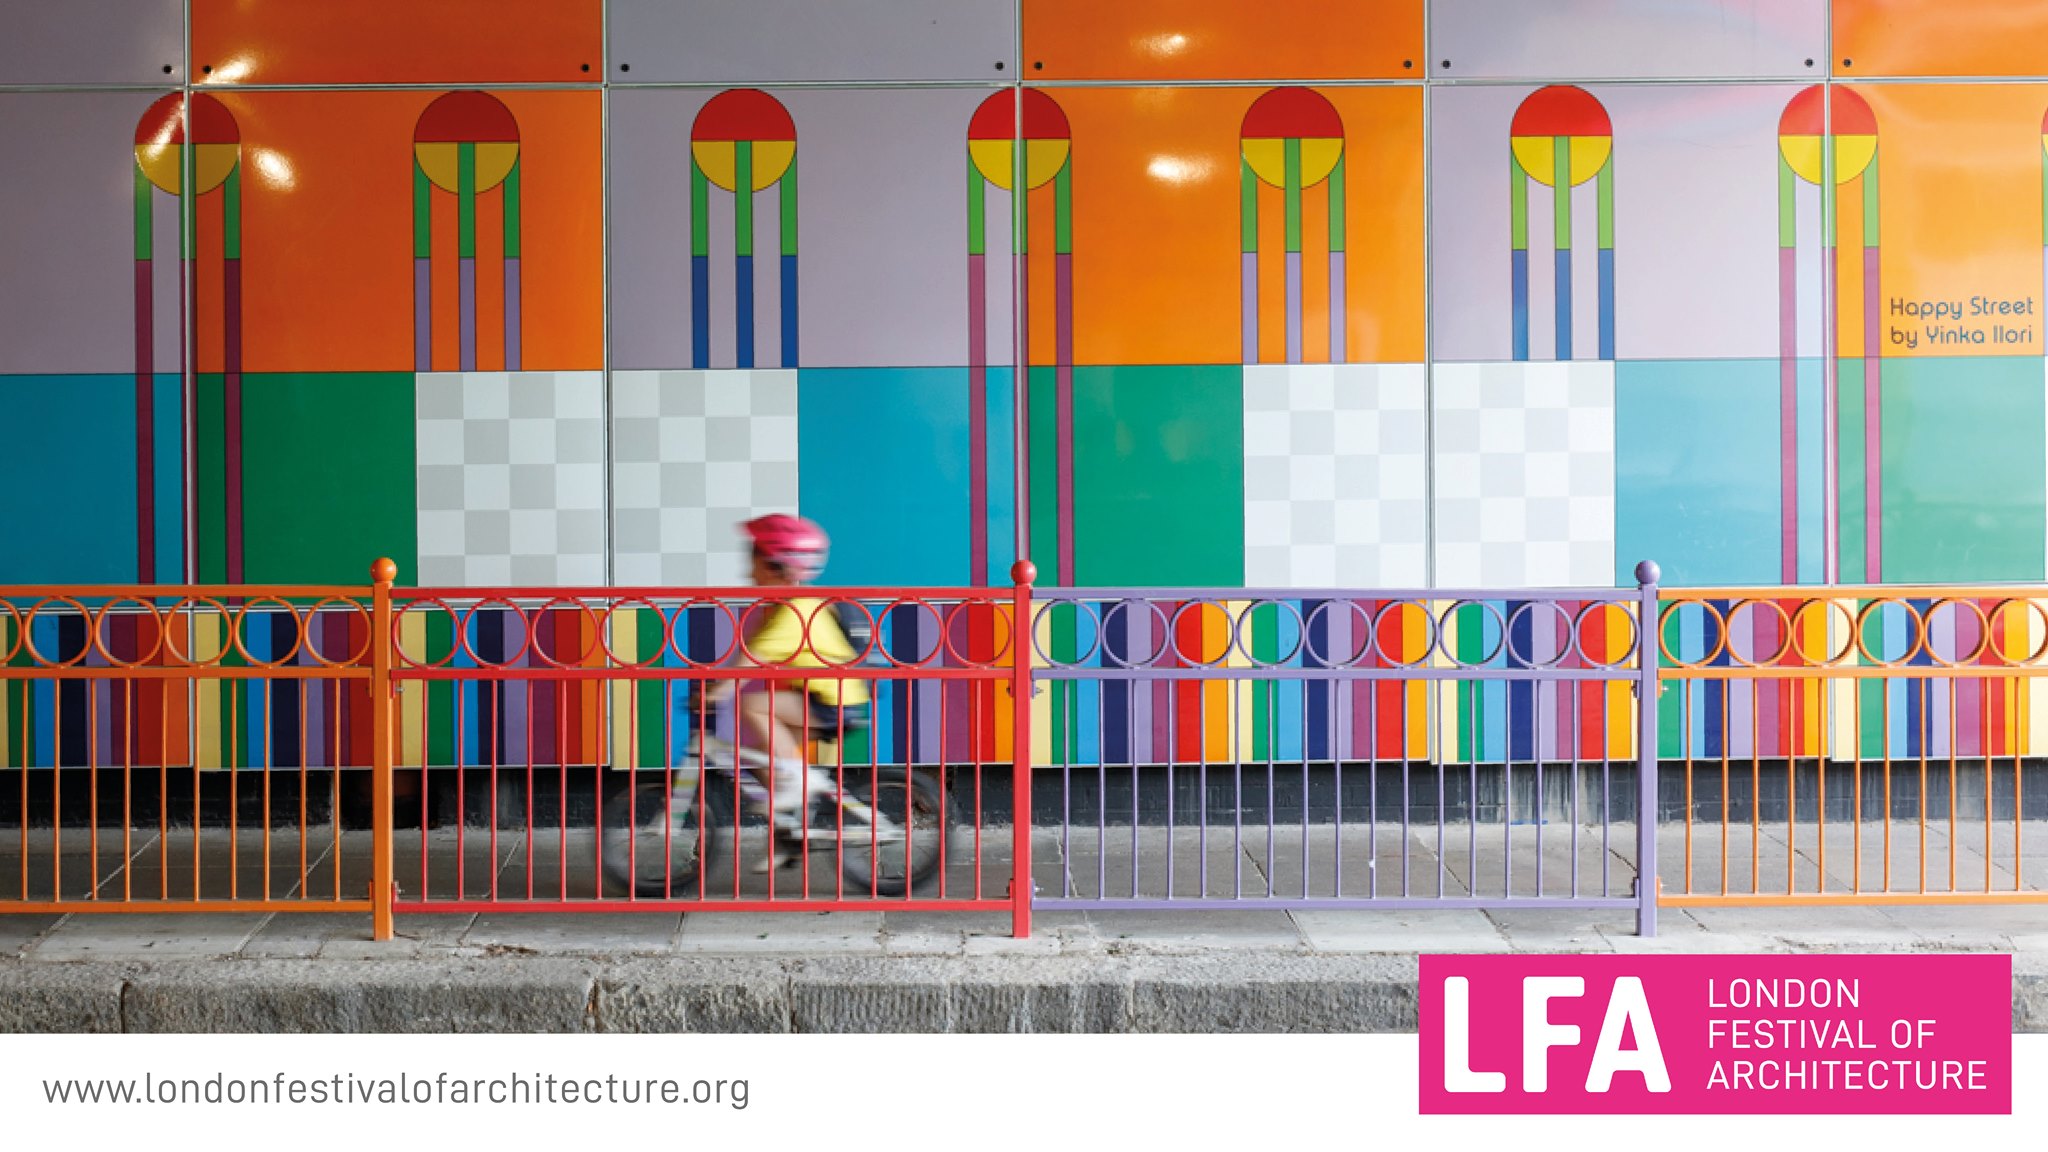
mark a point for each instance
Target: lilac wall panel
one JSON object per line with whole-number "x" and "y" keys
{"x": 764, "y": 41}
{"x": 881, "y": 218}
{"x": 1614, "y": 39}
{"x": 68, "y": 235}
{"x": 92, "y": 42}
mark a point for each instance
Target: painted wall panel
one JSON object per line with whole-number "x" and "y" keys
{"x": 885, "y": 463}
{"x": 880, "y": 229}
{"x": 331, "y": 213}
{"x": 1555, "y": 39}
{"x": 1158, "y": 476}
{"x": 771, "y": 41}
{"x": 93, "y": 42}
{"x": 1965, "y": 470}
{"x": 1696, "y": 470}
{"x": 1693, "y": 226}
{"x": 1160, "y": 226}
{"x": 1952, "y": 38}
{"x": 330, "y": 477}
{"x": 449, "y": 42}
{"x": 70, "y": 234}
{"x": 1222, "y": 39}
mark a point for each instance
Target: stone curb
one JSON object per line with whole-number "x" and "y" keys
{"x": 1243, "y": 992}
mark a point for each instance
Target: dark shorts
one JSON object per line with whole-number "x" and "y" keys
{"x": 829, "y": 720}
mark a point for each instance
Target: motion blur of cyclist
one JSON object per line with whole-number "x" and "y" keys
{"x": 777, "y": 717}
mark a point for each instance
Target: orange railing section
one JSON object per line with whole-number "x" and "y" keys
{"x": 1861, "y": 745}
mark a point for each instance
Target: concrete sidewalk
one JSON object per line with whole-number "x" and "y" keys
{"x": 1251, "y": 970}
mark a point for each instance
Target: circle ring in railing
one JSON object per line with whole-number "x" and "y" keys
{"x": 1670, "y": 613}
{"x": 1241, "y": 642}
{"x": 1095, "y": 610}
{"x": 1173, "y": 633}
{"x": 1628, "y": 650}
{"x": 605, "y": 631}
{"x": 1430, "y": 640}
{"x": 1862, "y": 626}
{"x": 398, "y": 641}
{"x": 241, "y": 618}
{"x": 1358, "y": 612}
{"x": 1784, "y": 641}
{"x": 99, "y": 641}
{"x": 1500, "y": 642}
{"x": 1528, "y": 659}
{"x": 28, "y": 633}
{"x": 531, "y": 617}
{"x": 20, "y": 632}
{"x": 357, "y": 657}
{"x": 681, "y": 618}
{"x": 1956, "y": 603}
{"x": 874, "y": 630}
{"x": 938, "y": 622}
{"x": 2033, "y": 606}
{"x": 190, "y": 606}
{"x": 963, "y": 611}
{"x": 469, "y": 616}
{"x": 1828, "y": 659}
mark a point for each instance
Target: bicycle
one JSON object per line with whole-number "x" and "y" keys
{"x": 889, "y": 825}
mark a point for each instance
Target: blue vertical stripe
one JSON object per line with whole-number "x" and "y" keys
{"x": 700, "y": 312}
{"x": 789, "y": 311}
{"x": 1607, "y": 303}
{"x": 1564, "y": 302}
{"x": 1518, "y": 272}
{"x": 743, "y": 307}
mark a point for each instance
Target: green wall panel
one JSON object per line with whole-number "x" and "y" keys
{"x": 328, "y": 476}
{"x": 1158, "y": 475}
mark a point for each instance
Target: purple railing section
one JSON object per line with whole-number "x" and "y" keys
{"x": 1343, "y": 749}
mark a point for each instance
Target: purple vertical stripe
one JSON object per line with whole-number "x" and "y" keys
{"x": 231, "y": 321}
{"x": 512, "y": 314}
{"x": 517, "y": 694}
{"x": 422, "y": 315}
{"x": 1251, "y": 305}
{"x": 145, "y": 423}
{"x": 1788, "y": 414}
{"x": 1873, "y": 426}
{"x": 469, "y": 313}
{"x": 1294, "y": 307}
{"x": 1770, "y": 695}
{"x": 925, "y": 695}
{"x": 1339, "y": 316}
{"x": 313, "y": 726}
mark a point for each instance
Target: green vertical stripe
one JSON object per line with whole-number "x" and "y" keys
{"x": 231, "y": 214}
{"x": 700, "y": 211}
{"x": 1827, "y": 193}
{"x": 1561, "y": 187}
{"x": 422, "y": 213}
{"x": 1265, "y": 624}
{"x": 1043, "y": 474}
{"x": 1337, "y": 206}
{"x": 1248, "y": 205}
{"x": 465, "y": 200}
{"x": 440, "y": 706}
{"x": 1605, "y": 187}
{"x": 1063, "y": 208}
{"x": 1020, "y": 213}
{"x": 1870, "y": 203}
{"x": 1788, "y": 203}
{"x": 145, "y": 230}
{"x": 1292, "y": 187}
{"x": 787, "y": 224}
{"x": 511, "y": 195}
{"x": 1518, "y": 202}
{"x": 977, "y": 211}
{"x": 651, "y": 698}
{"x": 743, "y": 198}
{"x": 208, "y": 431}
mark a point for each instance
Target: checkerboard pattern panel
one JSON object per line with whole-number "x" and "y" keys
{"x": 693, "y": 455}
{"x": 511, "y": 478}
{"x": 1334, "y": 460}
{"x": 1524, "y": 475}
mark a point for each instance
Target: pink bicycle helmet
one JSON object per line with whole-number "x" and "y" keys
{"x": 792, "y": 543}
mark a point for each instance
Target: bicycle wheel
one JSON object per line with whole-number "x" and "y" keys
{"x": 653, "y": 847}
{"x": 905, "y": 844}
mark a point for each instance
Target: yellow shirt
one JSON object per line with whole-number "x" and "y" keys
{"x": 781, "y": 641}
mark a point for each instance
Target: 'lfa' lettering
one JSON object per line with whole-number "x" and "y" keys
{"x": 1627, "y": 1006}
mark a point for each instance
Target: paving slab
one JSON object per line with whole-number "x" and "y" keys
{"x": 563, "y": 934}
{"x": 788, "y": 933}
{"x": 19, "y": 930}
{"x": 147, "y": 936}
{"x": 1448, "y": 930}
{"x": 1193, "y": 932}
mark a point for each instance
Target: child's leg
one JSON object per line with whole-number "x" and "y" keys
{"x": 773, "y": 719}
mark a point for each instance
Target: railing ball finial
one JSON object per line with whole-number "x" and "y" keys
{"x": 1647, "y": 572}
{"x": 1023, "y": 572}
{"x": 384, "y": 570}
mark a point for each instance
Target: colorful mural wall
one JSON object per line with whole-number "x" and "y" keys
{"x": 1296, "y": 305}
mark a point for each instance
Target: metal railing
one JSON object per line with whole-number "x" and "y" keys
{"x": 1325, "y": 750}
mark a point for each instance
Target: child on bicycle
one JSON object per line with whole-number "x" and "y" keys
{"x": 779, "y": 716}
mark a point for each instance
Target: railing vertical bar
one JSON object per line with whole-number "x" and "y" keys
{"x": 1646, "y": 750}
{"x": 381, "y": 736}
